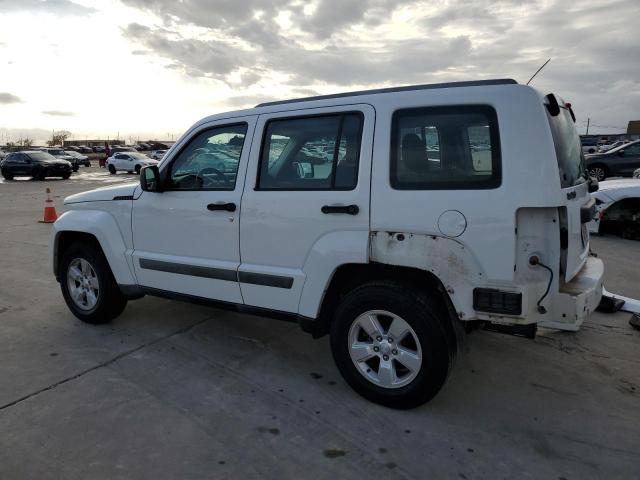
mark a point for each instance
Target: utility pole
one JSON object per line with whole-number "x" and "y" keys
{"x": 588, "y": 120}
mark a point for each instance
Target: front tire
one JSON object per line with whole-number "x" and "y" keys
{"x": 7, "y": 175}
{"x": 137, "y": 169}
{"x": 389, "y": 344}
{"x": 599, "y": 172}
{"x": 112, "y": 170}
{"x": 88, "y": 286}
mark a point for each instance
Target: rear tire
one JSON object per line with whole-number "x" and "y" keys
{"x": 112, "y": 170}
{"x": 75, "y": 168}
{"x": 66, "y": 176}
{"x": 137, "y": 169}
{"x": 7, "y": 175}
{"x": 420, "y": 316}
{"x": 91, "y": 293}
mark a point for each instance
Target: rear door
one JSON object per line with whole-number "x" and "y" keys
{"x": 308, "y": 182}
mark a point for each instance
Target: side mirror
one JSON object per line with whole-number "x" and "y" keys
{"x": 150, "y": 179}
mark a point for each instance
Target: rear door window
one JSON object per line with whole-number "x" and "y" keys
{"x": 453, "y": 147}
{"x": 311, "y": 153}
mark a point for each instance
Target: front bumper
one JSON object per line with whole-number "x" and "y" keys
{"x": 578, "y": 298}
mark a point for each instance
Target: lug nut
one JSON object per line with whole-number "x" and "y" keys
{"x": 379, "y": 338}
{"x": 395, "y": 352}
{"x": 376, "y": 349}
{"x": 385, "y": 357}
{"x": 390, "y": 340}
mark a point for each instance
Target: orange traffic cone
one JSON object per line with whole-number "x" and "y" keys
{"x": 50, "y": 214}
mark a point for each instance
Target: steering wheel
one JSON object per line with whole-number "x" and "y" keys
{"x": 216, "y": 172}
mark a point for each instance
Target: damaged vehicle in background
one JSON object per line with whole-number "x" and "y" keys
{"x": 617, "y": 205}
{"x": 426, "y": 220}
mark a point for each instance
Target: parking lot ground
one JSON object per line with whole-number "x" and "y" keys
{"x": 174, "y": 390}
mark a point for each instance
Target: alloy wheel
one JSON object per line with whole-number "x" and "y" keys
{"x": 385, "y": 349}
{"x": 83, "y": 284}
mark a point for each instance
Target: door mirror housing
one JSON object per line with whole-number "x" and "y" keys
{"x": 150, "y": 179}
{"x": 304, "y": 169}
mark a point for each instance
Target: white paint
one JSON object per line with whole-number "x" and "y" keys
{"x": 284, "y": 232}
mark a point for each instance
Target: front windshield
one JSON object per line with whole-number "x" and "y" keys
{"x": 568, "y": 148}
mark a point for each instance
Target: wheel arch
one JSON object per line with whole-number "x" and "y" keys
{"x": 96, "y": 228}
{"x": 349, "y": 276}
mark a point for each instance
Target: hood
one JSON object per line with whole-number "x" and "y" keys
{"x": 57, "y": 161}
{"x": 102, "y": 194}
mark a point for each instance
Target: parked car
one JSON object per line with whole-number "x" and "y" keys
{"x": 386, "y": 250}
{"x": 98, "y": 149}
{"x": 85, "y": 149}
{"x": 35, "y": 164}
{"x": 617, "y": 162}
{"x": 157, "y": 154}
{"x": 72, "y": 147}
{"x": 589, "y": 145}
{"x": 129, "y": 162}
{"x": 82, "y": 159}
{"x": 62, "y": 155}
{"x": 609, "y": 146}
{"x": 617, "y": 205}
{"x": 144, "y": 146}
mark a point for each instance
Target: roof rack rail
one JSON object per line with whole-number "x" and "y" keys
{"x": 475, "y": 83}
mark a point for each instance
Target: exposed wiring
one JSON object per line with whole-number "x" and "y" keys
{"x": 536, "y": 261}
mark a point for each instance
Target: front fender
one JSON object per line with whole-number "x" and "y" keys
{"x": 104, "y": 227}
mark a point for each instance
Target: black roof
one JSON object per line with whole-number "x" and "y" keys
{"x": 476, "y": 83}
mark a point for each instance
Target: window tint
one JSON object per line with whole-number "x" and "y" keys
{"x": 210, "y": 160}
{"x": 311, "y": 153}
{"x": 453, "y": 147}
{"x": 121, "y": 157}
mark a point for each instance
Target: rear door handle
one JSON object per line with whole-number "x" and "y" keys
{"x": 227, "y": 207}
{"x": 348, "y": 209}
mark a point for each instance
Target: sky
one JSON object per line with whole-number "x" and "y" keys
{"x": 151, "y": 68}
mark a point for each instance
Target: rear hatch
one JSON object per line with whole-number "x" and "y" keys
{"x": 574, "y": 214}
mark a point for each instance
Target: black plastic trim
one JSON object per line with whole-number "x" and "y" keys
{"x": 192, "y": 270}
{"x": 277, "y": 281}
{"x": 266, "y": 280}
{"x": 407, "y": 88}
{"x": 123, "y": 197}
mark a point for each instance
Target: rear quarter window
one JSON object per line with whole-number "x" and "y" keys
{"x": 445, "y": 148}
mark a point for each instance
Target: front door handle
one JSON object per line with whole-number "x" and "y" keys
{"x": 227, "y": 207}
{"x": 348, "y": 209}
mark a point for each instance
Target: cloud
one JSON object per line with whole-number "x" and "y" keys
{"x": 346, "y": 44}
{"x": 58, "y": 113}
{"x": 7, "y": 98}
{"x": 57, "y": 7}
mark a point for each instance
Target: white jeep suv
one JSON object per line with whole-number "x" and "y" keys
{"x": 441, "y": 206}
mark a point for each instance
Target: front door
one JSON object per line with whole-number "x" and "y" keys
{"x": 186, "y": 238}
{"x": 306, "y": 201}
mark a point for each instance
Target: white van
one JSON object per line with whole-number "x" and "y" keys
{"x": 439, "y": 206}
